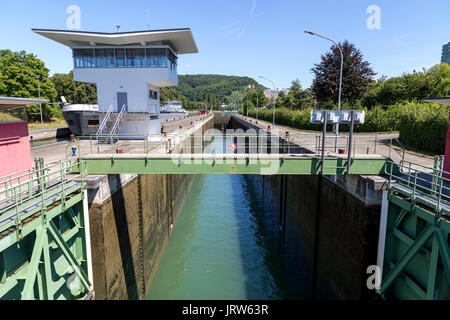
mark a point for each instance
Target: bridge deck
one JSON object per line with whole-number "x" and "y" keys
{"x": 32, "y": 205}
{"x": 228, "y": 163}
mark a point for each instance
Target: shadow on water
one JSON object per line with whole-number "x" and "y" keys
{"x": 123, "y": 235}
{"x": 173, "y": 278}
{"x": 270, "y": 266}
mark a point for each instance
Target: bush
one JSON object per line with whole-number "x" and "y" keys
{"x": 424, "y": 127}
{"x": 421, "y": 125}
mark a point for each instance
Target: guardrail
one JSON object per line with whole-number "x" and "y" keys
{"x": 140, "y": 143}
{"x": 422, "y": 183}
{"x": 105, "y": 121}
{"x": 37, "y": 189}
{"x": 284, "y": 143}
{"x": 119, "y": 118}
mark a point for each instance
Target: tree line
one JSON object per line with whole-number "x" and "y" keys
{"x": 23, "y": 75}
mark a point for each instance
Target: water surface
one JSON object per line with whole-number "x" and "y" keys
{"x": 224, "y": 245}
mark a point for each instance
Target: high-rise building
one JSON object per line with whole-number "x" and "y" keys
{"x": 446, "y": 53}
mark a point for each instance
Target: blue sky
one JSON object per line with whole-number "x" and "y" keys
{"x": 247, "y": 37}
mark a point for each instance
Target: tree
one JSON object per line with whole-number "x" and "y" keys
{"x": 73, "y": 91}
{"x": 19, "y": 74}
{"x": 434, "y": 82}
{"x": 297, "y": 98}
{"x": 356, "y": 76}
{"x": 252, "y": 98}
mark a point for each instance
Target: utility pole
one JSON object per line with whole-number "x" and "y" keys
{"x": 273, "y": 121}
{"x": 39, "y": 94}
{"x": 257, "y": 104}
{"x": 340, "y": 79}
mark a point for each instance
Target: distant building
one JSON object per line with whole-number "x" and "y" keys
{"x": 446, "y": 53}
{"x": 269, "y": 93}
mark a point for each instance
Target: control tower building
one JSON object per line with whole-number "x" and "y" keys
{"x": 128, "y": 68}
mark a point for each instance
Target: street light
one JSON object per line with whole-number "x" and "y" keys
{"x": 257, "y": 104}
{"x": 340, "y": 77}
{"x": 273, "y": 121}
{"x": 39, "y": 93}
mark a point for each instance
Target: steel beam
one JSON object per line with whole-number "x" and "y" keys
{"x": 406, "y": 258}
{"x": 234, "y": 164}
{"x": 68, "y": 255}
{"x": 27, "y": 293}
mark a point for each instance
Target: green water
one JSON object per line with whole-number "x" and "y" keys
{"x": 225, "y": 245}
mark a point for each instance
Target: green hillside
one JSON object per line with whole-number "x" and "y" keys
{"x": 201, "y": 91}
{"x": 197, "y": 87}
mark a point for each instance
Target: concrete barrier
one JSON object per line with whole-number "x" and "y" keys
{"x": 43, "y": 134}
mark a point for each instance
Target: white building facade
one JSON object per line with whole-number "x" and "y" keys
{"x": 128, "y": 68}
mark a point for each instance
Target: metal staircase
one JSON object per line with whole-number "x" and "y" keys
{"x": 109, "y": 126}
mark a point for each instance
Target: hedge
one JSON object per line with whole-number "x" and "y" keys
{"x": 421, "y": 125}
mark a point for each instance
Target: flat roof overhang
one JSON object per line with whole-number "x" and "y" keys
{"x": 181, "y": 40}
{"x": 445, "y": 100}
{"x": 7, "y": 103}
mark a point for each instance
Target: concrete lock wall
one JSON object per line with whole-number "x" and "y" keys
{"x": 347, "y": 234}
{"x": 129, "y": 229}
{"x": 131, "y": 217}
{"x": 347, "y": 227}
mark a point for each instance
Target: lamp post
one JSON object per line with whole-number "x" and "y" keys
{"x": 340, "y": 78}
{"x": 273, "y": 121}
{"x": 39, "y": 94}
{"x": 257, "y": 104}
{"x": 40, "y": 104}
{"x": 247, "y": 104}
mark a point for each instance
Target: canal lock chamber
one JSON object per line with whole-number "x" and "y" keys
{"x": 233, "y": 236}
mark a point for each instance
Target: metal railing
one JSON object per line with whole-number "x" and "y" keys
{"x": 164, "y": 142}
{"x": 117, "y": 122}
{"x": 26, "y": 194}
{"x": 264, "y": 142}
{"x": 421, "y": 183}
{"x": 104, "y": 121}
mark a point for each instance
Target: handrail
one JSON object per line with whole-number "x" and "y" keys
{"x": 427, "y": 181}
{"x": 49, "y": 180}
{"x": 119, "y": 118}
{"x": 402, "y": 147}
{"x": 104, "y": 121}
{"x": 287, "y": 142}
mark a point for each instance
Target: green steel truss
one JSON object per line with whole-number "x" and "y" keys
{"x": 417, "y": 254}
{"x": 43, "y": 252}
{"x": 300, "y": 164}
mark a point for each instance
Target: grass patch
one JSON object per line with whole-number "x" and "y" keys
{"x": 53, "y": 123}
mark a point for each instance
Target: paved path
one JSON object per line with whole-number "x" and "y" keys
{"x": 364, "y": 142}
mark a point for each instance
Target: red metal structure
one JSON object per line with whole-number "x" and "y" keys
{"x": 445, "y": 101}
{"x": 15, "y": 155}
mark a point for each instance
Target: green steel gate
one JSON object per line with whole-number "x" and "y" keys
{"x": 43, "y": 251}
{"x": 417, "y": 256}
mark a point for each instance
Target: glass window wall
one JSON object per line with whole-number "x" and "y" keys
{"x": 125, "y": 58}
{"x": 104, "y": 58}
